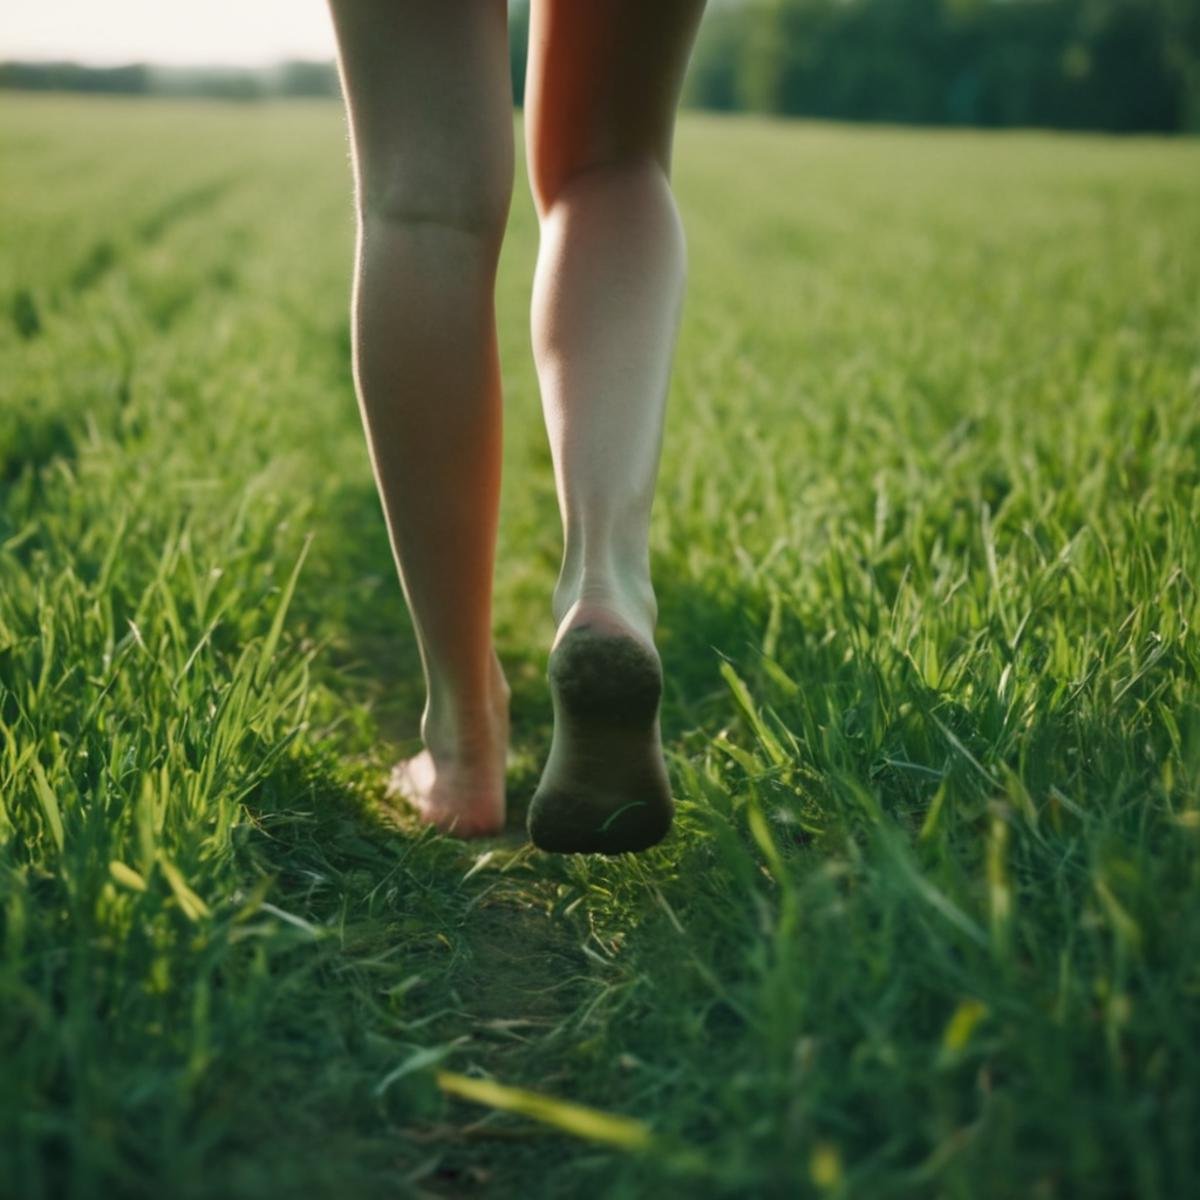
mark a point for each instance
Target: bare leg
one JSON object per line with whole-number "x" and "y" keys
{"x": 604, "y": 81}
{"x": 427, "y": 88}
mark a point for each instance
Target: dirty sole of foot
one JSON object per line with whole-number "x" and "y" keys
{"x": 605, "y": 787}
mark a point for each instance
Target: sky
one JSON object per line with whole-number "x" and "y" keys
{"x": 171, "y": 32}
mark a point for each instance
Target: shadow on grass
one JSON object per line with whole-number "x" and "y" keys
{"x": 413, "y": 951}
{"x": 351, "y": 598}
{"x": 698, "y": 625}
{"x": 483, "y": 941}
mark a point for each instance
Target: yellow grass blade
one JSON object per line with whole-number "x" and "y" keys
{"x": 575, "y": 1119}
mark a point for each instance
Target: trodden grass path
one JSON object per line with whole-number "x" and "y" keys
{"x": 927, "y": 556}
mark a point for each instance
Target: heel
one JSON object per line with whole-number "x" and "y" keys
{"x": 606, "y": 678}
{"x": 605, "y": 788}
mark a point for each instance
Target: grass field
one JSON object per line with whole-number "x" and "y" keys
{"x": 927, "y": 548}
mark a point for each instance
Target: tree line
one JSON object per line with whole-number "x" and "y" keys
{"x": 1117, "y": 65}
{"x": 287, "y": 79}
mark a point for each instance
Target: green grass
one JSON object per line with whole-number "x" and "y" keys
{"x": 927, "y": 555}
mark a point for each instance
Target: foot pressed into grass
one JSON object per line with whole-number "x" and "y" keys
{"x": 604, "y": 788}
{"x": 457, "y": 782}
{"x": 457, "y": 799}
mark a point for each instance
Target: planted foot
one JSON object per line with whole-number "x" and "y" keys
{"x": 604, "y": 788}
{"x": 457, "y": 782}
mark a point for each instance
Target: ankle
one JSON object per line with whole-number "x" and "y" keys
{"x": 629, "y": 597}
{"x": 466, "y": 729}
{"x": 463, "y": 738}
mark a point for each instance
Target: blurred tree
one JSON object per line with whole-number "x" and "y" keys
{"x": 1181, "y": 31}
{"x": 713, "y": 76}
{"x": 301, "y": 77}
{"x": 518, "y": 47}
{"x": 761, "y": 80}
{"x": 1120, "y": 65}
{"x": 71, "y": 77}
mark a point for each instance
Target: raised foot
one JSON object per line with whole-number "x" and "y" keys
{"x": 604, "y": 789}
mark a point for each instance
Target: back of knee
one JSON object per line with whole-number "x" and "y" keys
{"x": 473, "y": 201}
{"x": 614, "y": 174}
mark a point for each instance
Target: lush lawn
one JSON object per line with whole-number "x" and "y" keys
{"x": 927, "y": 549}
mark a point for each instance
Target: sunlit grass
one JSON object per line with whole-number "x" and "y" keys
{"x": 927, "y": 557}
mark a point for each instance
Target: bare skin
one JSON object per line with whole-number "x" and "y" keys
{"x": 603, "y": 84}
{"x": 427, "y": 89}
